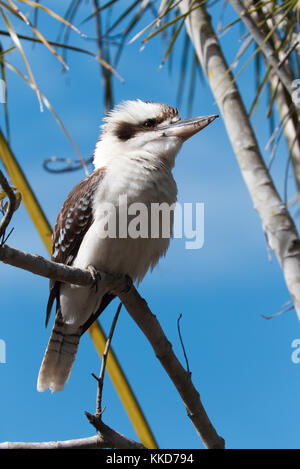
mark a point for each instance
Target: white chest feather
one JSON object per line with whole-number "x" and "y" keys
{"x": 117, "y": 244}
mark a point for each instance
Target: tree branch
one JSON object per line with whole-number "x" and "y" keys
{"x": 140, "y": 312}
{"x": 107, "y": 439}
{"x": 40, "y": 266}
{"x": 93, "y": 442}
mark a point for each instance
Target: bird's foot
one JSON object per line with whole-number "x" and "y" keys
{"x": 114, "y": 283}
{"x": 95, "y": 275}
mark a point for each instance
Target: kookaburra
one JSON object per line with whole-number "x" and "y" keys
{"x": 134, "y": 156}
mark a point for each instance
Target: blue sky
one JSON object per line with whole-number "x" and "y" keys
{"x": 241, "y": 364}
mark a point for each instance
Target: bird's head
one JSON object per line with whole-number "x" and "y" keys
{"x": 152, "y": 130}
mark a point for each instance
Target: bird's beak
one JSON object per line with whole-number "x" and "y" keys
{"x": 188, "y": 127}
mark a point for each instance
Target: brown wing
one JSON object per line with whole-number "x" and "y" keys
{"x": 73, "y": 221}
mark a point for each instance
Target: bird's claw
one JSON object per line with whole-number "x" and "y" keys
{"x": 119, "y": 285}
{"x": 95, "y": 275}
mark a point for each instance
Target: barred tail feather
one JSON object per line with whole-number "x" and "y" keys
{"x": 59, "y": 357}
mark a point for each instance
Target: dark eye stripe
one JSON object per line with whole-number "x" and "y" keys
{"x": 124, "y": 130}
{"x": 149, "y": 123}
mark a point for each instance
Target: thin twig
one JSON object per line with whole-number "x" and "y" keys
{"x": 288, "y": 53}
{"x": 284, "y": 310}
{"x": 182, "y": 344}
{"x": 103, "y": 363}
{"x": 113, "y": 438}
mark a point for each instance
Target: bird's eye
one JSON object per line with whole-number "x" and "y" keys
{"x": 149, "y": 123}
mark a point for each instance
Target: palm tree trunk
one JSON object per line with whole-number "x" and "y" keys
{"x": 284, "y": 103}
{"x": 276, "y": 221}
